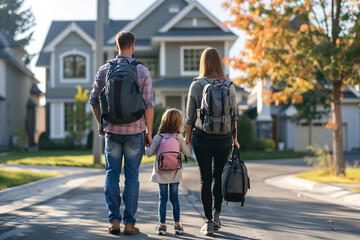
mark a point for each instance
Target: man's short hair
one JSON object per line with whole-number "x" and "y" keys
{"x": 125, "y": 39}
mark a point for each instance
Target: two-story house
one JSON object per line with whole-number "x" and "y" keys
{"x": 170, "y": 37}
{"x": 19, "y": 95}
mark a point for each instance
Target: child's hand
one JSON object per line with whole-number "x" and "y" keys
{"x": 187, "y": 140}
{"x": 147, "y": 140}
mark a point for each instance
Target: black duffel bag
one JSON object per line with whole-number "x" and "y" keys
{"x": 235, "y": 179}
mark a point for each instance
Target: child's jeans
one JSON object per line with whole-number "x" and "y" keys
{"x": 163, "y": 198}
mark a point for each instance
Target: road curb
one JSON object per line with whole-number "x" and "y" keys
{"x": 320, "y": 191}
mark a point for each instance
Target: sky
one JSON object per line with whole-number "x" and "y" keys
{"x": 46, "y": 11}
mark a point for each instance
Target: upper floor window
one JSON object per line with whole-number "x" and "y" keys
{"x": 74, "y": 66}
{"x": 151, "y": 64}
{"x": 190, "y": 60}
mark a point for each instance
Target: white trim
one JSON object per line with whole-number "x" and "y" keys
{"x": 87, "y": 67}
{"x": 192, "y": 39}
{"x": 52, "y": 70}
{"x": 182, "y": 71}
{"x": 136, "y": 21}
{"x": 55, "y": 100}
{"x": 353, "y": 90}
{"x": 186, "y": 11}
{"x": 194, "y": 22}
{"x": 73, "y": 27}
{"x": 162, "y": 59}
{"x": 227, "y": 46}
{"x": 61, "y": 117}
{"x": 2, "y": 78}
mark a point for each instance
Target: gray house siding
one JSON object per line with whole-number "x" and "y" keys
{"x": 173, "y": 55}
{"x": 201, "y": 21}
{"x": 69, "y": 44}
{"x": 18, "y": 92}
{"x": 152, "y": 23}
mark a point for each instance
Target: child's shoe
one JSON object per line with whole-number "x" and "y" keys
{"x": 161, "y": 229}
{"x": 179, "y": 229}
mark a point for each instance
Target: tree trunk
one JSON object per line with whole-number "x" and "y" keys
{"x": 99, "y": 38}
{"x": 310, "y": 134}
{"x": 338, "y": 153}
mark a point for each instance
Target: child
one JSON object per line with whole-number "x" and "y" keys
{"x": 169, "y": 133}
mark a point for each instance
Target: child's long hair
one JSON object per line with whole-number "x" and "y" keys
{"x": 171, "y": 121}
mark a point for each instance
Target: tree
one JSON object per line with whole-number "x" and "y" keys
{"x": 289, "y": 42}
{"x": 308, "y": 109}
{"x": 17, "y": 22}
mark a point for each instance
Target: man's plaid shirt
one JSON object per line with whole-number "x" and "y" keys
{"x": 144, "y": 79}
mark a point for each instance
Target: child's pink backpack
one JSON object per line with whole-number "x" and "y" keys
{"x": 168, "y": 156}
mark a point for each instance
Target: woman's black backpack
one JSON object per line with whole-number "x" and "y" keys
{"x": 235, "y": 179}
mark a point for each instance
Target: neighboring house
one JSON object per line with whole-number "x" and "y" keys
{"x": 276, "y": 121}
{"x": 170, "y": 37}
{"x": 19, "y": 95}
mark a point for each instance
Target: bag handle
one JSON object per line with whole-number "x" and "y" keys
{"x": 235, "y": 153}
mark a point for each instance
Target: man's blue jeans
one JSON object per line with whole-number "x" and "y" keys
{"x": 163, "y": 198}
{"x": 131, "y": 148}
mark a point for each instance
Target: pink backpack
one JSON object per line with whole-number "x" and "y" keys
{"x": 168, "y": 156}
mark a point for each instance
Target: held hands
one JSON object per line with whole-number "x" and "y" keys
{"x": 101, "y": 131}
{"x": 187, "y": 139}
{"x": 147, "y": 139}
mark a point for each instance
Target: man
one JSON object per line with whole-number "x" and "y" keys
{"x": 124, "y": 140}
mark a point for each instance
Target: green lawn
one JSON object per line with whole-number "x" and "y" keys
{"x": 74, "y": 158}
{"x": 11, "y": 178}
{"x": 352, "y": 176}
{"x": 259, "y": 155}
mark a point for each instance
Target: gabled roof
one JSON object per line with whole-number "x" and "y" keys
{"x": 7, "y": 41}
{"x": 185, "y": 11}
{"x": 87, "y": 27}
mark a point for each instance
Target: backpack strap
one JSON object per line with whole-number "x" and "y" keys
{"x": 228, "y": 83}
{"x": 135, "y": 63}
{"x": 124, "y": 58}
{"x": 202, "y": 80}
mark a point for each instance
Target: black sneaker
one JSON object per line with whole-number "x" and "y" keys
{"x": 208, "y": 228}
{"x": 161, "y": 229}
{"x": 179, "y": 229}
{"x": 217, "y": 223}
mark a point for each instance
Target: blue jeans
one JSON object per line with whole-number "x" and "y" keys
{"x": 163, "y": 198}
{"x": 131, "y": 147}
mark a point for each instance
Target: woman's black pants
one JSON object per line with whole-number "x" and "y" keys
{"x": 211, "y": 154}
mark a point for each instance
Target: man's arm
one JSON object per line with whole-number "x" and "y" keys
{"x": 97, "y": 114}
{"x": 149, "y": 119}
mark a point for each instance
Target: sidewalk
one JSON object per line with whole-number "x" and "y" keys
{"x": 88, "y": 210}
{"x": 332, "y": 193}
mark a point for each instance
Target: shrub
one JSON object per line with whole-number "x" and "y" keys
{"x": 259, "y": 144}
{"x": 244, "y": 132}
{"x": 158, "y": 112}
{"x": 89, "y": 141}
{"x": 20, "y": 140}
{"x": 321, "y": 159}
{"x": 270, "y": 143}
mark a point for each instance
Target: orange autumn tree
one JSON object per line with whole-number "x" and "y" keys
{"x": 300, "y": 45}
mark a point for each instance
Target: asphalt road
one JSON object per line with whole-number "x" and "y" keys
{"x": 269, "y": 212}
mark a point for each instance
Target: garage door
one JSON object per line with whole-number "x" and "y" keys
{"x": 320, "y": 137}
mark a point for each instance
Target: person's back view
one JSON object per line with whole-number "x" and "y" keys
{"x": 211, "y": 137}
{"x": 123, "y": 138}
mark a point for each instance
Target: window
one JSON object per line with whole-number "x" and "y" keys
{"x": 152, "y": 66}
{"x": 190, "y": 60}
{"x": 75, "y": 117}
{"x": 74, "y": 66}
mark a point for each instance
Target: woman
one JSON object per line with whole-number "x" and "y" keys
{"x": 209, "y": 147}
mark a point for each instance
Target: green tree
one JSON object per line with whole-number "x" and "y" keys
{"x": 293, "y": 40}
{"x": 309, "y": 110}
{"x": 17, "y": 22}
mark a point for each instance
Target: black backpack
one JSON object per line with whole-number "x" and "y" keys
{"x": 121, "y": 101}
{"x": 235, "y": 179}
{"x": 215, "y": 116}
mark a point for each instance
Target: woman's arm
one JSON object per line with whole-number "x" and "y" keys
{"x": 189, "y": 128}
{"x": 185, "y": 148}
{"x": 153, "y": 146}
{"x": 235, "y": 118}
